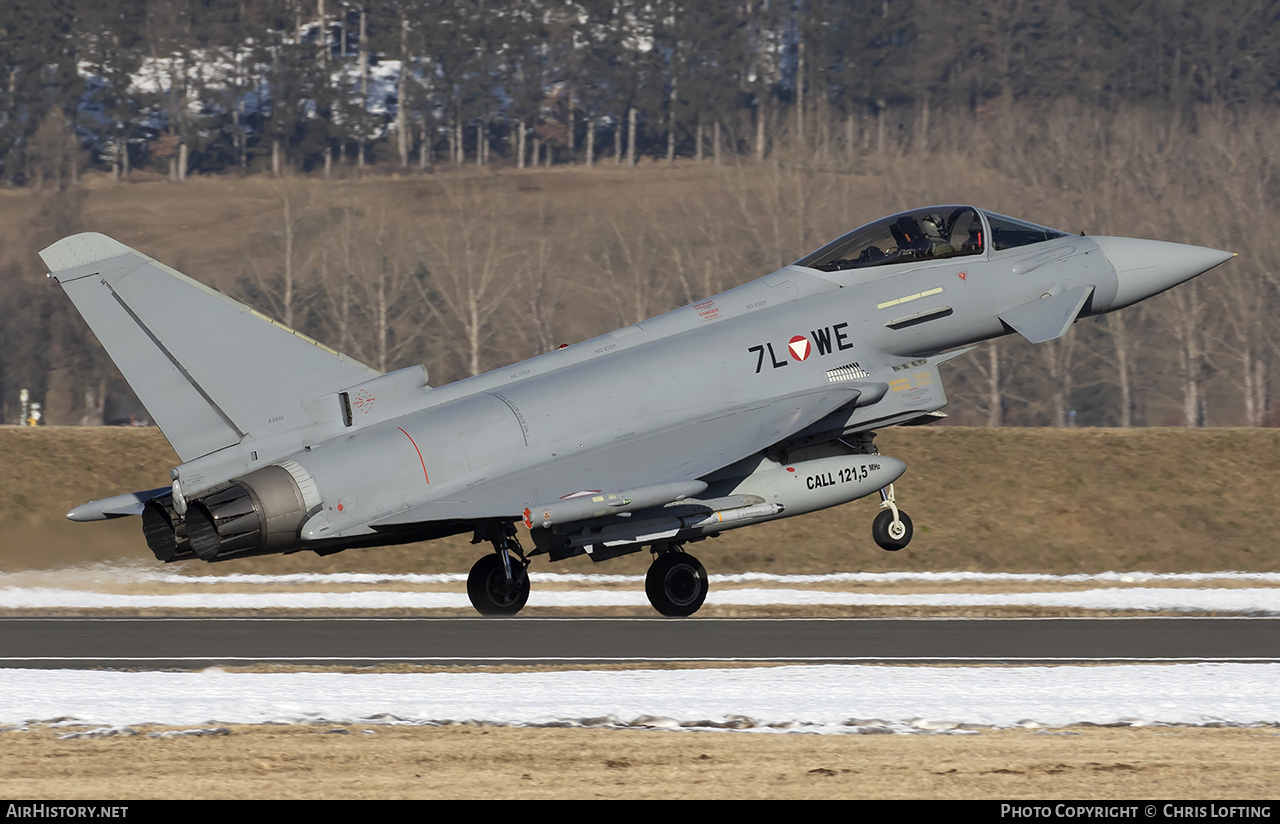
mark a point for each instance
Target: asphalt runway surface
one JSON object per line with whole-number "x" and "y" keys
{"x": 188, "y": 643}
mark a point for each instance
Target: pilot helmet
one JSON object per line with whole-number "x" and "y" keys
{"x": 933, "y": 226}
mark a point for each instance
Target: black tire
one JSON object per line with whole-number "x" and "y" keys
{"x": 882, "y": 530}
{"x": 676, "y": 584}
{"x": 489, "y": 590}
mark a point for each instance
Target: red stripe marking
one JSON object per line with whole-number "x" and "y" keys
{"x": 419, "y": 451}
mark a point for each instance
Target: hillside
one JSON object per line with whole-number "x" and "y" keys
{"x": 471, "y": 270}
{"x": 1007, "y": 499}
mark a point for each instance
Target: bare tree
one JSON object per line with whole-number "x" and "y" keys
{"x": 53, "y": 156}
{"x": 988, "y": 366}
{"x": 1118, "y": 327}
{"x": 469, "y": 274}
{"x": 1184, "y": 313}
{"x": 634, "y": 280}
{"x": 373, "y": 283}
{"x": 273, "y": 274}
{"x": 542, "y": 284}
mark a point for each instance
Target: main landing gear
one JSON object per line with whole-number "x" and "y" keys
{"x": 499, "y": 583}
{"x": 676, "y": 583}
{"x": 892, "y": 528}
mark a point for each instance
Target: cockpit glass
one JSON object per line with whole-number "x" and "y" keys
{"x": 922, "y": 235}
{"x": 1008, "y": 232}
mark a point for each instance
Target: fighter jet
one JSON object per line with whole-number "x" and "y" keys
{"x": 756, "y": 404}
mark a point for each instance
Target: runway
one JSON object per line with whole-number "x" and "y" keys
{"x": 192, "y": 643}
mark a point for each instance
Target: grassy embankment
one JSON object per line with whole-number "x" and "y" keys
{"x": 1010, "y": 500}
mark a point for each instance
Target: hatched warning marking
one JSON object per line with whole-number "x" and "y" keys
{"x": 363, "y": 401}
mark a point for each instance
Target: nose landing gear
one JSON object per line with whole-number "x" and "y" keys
{"x": 892, "y": 528}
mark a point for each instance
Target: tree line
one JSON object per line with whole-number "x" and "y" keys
{"x": 327, "y": 86}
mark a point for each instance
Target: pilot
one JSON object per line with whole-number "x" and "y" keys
{"x": 935, "y": 238}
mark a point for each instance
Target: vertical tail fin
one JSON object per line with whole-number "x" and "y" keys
{"x": 210, "y": 371}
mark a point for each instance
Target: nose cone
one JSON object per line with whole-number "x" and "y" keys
{"x": 1149, "y": 267}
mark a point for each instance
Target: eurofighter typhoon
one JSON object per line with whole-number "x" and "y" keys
{"x": 755, "y": 404}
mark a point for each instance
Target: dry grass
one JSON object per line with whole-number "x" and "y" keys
{"x": 1008, "y": 500}
{"x": 206, "y": 227}
{"x": 363, "y": 762}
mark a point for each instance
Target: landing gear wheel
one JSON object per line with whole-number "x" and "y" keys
{"x": 889, "y": 535}
{"x": 676, "y": 584}
{"x": 490, "y": 591}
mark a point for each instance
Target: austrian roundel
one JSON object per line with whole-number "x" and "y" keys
{"x": 799, "y": 347}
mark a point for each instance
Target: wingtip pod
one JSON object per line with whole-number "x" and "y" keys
{"x": 81, "y": 250}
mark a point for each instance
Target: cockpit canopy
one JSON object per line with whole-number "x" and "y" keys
{"x": 933, "y": 233}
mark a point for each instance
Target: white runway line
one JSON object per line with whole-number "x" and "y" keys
{"x": 1237, "y": 600}
{"x": 142, "y": 572}
{"x": 823, "y": 698}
